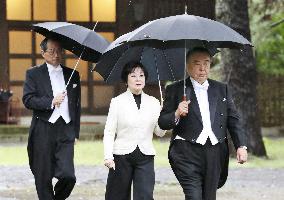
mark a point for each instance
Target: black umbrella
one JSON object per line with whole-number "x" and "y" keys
{"x": 83, "y": 42}
{"x": 79, "y": 40}
{"x": 169, "y": 37}
{"x": 190, "y": 27}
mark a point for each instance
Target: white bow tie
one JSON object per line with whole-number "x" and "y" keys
{"x": 204, "y": 86}
{"x": 57, "y": 69}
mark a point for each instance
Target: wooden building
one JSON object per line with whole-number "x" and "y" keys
{"x": 19, "y": 46}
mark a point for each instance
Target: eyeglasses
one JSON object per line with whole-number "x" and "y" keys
{"x": 53, "y": 51}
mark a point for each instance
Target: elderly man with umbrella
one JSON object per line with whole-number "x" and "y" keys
{"x": 52, "y": 91}
{"x": 198, "y": 153}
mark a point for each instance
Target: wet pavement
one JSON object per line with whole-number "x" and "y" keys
{"x": 246, "y": 184}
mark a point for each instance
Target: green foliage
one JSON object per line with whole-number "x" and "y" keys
{"x": 267, "y": 39}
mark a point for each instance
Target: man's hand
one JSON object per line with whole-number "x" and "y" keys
{"x": 182, "y": 109}
{"x": 110, "y": 163}
{"x": 58, "y": 99}
{"x": 242, "y": 155}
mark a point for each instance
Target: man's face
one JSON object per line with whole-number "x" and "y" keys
{"x": 53, "y": 53}
{"x": 198, "y": 66}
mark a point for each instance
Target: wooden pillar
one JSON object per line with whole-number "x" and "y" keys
{"x": 61, "y": 10}
{"x": 4, "y": 47}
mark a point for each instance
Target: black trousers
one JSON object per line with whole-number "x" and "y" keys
{"x": 197, "y": 168}
{"x": 52, "y": 152}
{"x": 134, "y": 167}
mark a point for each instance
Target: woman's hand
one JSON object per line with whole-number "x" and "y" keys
{"x": 110, "y": 163}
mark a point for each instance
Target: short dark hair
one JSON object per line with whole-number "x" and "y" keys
{"x": 43, "y": 44}
{"x": 130, "y": 67}
{"x": 197, "y": 50}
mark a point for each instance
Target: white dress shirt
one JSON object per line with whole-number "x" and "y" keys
{"x": 128, "y": 127}
{"x": 58, "y": 86}
{"x": 202, "y": 98}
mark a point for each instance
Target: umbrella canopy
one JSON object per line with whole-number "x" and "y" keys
{"x": 190, "y": 27}
{"x": 75, "y": 38}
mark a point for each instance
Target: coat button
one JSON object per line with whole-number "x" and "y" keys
{"x": 221, "y": 114}
{"x": 221, "y": 126}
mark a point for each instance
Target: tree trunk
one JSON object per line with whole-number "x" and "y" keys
{"x": 239, "y": 71}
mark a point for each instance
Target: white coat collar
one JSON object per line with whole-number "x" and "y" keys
{"x": 130, "y": 95}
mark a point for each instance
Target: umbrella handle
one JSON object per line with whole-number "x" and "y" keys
{"x": 183, "y": 99}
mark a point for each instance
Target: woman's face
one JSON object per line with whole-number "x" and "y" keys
{"x": 136, "y": 80}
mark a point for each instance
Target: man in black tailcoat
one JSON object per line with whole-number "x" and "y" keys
{"x": 198, "y": 152}
{"x": 55, "y": 123}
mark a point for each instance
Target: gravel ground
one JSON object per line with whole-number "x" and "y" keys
{"x": 245, "y": 184}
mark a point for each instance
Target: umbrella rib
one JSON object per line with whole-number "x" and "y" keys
{"x": 138, "y": 30}
{"x": 157, "y": 70}
{"x": 142, "y": 54}
{"x": 116, "y": 64}
{"x": 91, "y": 32}
{"x": 169, "y": 64}
{"x": 78, "y": 60}
{"x": 170, "y": 27}
{"x": 156, "y": 64}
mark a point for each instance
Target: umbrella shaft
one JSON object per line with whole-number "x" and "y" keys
{"x": 74, "y": 68}
{"x": 184, "y": 86}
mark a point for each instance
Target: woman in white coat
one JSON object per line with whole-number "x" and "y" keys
{"x": 128, "y": 148}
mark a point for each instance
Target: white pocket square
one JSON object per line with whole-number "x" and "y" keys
{"x": 224, "y": 99}
{"x": 74, "y": 85}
